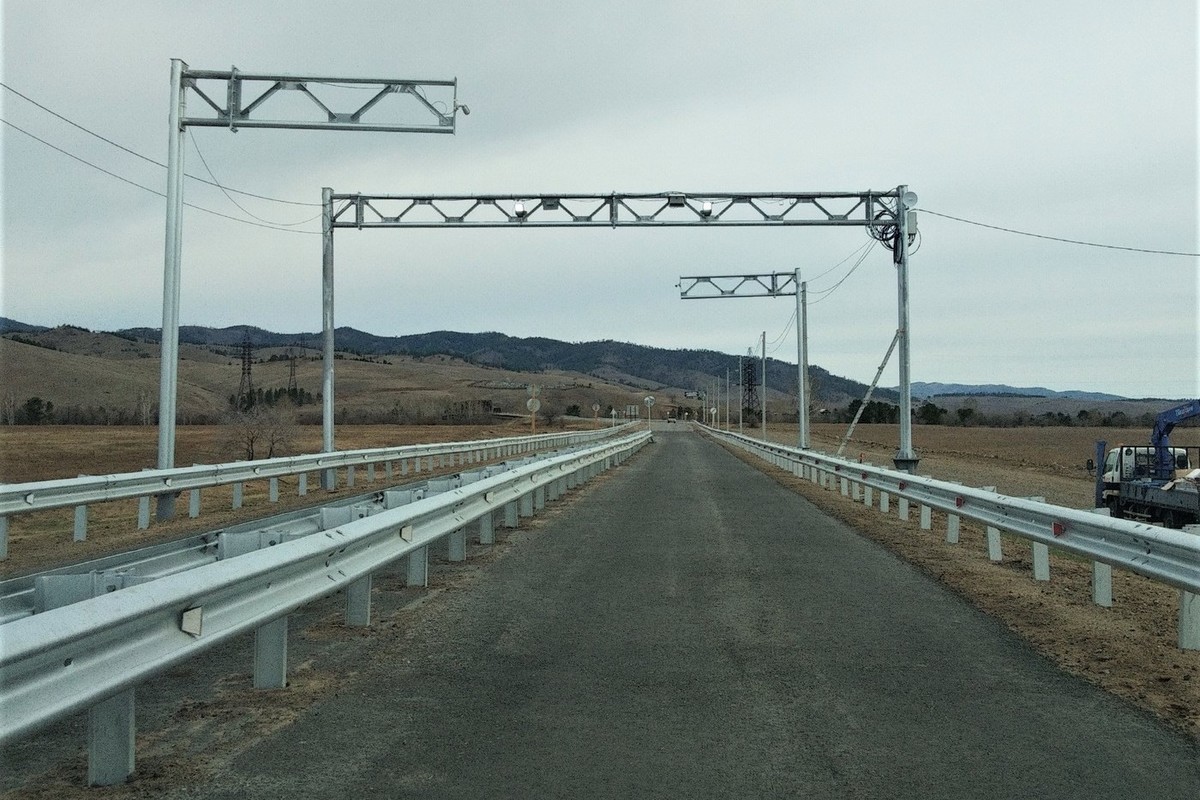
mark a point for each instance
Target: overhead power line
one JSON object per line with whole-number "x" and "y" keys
{"x": 149, "y": 160}
{"x": 147, "y": 188}
{"x": 1060, "y": 238}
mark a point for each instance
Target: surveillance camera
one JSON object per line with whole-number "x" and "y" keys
{"x": 466, "y": 111}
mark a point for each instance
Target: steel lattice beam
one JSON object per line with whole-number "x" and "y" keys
{"x": 221, "y": 93}
{"x": 711, "y": 287}
{"x": 662, "y": 209}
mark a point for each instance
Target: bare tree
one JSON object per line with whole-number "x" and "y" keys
{"x": 260, "y": 432}
{"x": 8, "y": 409}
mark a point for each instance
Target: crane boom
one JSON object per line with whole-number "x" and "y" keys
{"x": 1164, "y": 463}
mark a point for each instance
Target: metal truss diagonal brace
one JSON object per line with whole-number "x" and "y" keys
{"x": 434, "y": 108}
{"x": 874, "y": 210}
{"x": 710, "y": 287}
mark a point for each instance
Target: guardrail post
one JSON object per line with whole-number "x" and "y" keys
{"x": 111, "y": 740}
{"x": 487, "y": 529}
{"x": 302, "y": 485}
{"x": 902, "y": 504}
{"x": 526, "y": 509}
{"x": 953, "y": 523}
{"x": 143, "y": 513}
{"x": 238, "y": 490}
{"x": 1102, "y": 584}
{"x": 926, "y": 518}
{"x": 194, "y": 503}
{"x": 417, "y": 465}
{"x": 350, "y": 476}
{"x": 1041, "y": 562}
{"x": 995, "y": 552}
{"x": 539, "y": 498}
{"x": 358, "y": 602}
{"x": 1189, "y": 620}
{"x": 511, "y": 515}
{"x": 868, "y": 496}
{"x": 403, "y": 466}
{"x": 273, "y": 491}
{"x": 884, "y": 502}
{"x": 3, "y": 538}
{"x": 418, "y": 567}
{"x": 371, "y": 472}
{"x": 387, "y": 470}
{"x": 844, "y": 486}
{"x": 458, "y": 545}
{"x": 80, "y": 523}
{"x": 270, "y": 655}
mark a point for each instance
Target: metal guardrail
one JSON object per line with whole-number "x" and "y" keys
{"x": 24, "y": 498}
{"x": 90, "y": 654}
{"x": 1161, "y": 554}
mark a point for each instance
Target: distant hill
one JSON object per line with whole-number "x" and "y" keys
{"x": 924, "y": 389}
{"x": 112, "y": 377}
{"x": 622, "y": 362}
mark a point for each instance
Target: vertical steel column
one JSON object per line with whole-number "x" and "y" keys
{"x": 358, "y": 602}
{"x": 802, "y": 358}
{"x": 906, "y": 458}
{"x": 111, "y": 740}
{"x": 172, "y": 253}
{"x": 328, "y": 477}
{"x": 270, "y": 655}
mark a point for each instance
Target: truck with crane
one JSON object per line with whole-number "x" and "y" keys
{"x": 1156, "y": 483}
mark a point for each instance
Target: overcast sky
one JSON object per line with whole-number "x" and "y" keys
{"x": 1069, "y": 119}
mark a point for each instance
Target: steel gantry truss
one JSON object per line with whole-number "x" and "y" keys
{"x": 226, "y": 101}
{"x": 884, "y": 214}
{"x": 771, "y": 284}
{"x": 664, "y": 209}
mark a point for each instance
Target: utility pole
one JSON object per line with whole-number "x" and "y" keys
{"x": 764, "y": 385}
{"x": 802, "y": 363}
{"x": 727, "y": 398}
{"x": 741, "y": 393}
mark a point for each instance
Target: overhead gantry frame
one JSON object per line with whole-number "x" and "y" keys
{"x": 230, "y": 109}
{"x": 885, "y": 215}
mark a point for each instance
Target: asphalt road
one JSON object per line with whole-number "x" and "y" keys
{"x": 690, "y": 629}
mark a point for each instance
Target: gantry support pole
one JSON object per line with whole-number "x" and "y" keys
{"x": 906, "y": 458}
{"x": 329, "y": 476}
{"x": 172, "y": 253}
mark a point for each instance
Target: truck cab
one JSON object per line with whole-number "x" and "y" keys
{"x": 1127, "y": 463}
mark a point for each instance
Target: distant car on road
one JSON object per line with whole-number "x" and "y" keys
{"x": 671, "y": 419}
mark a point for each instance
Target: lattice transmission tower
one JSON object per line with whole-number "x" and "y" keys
{"x": 245, "y": 395}
{"x": 750, "y": 409}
